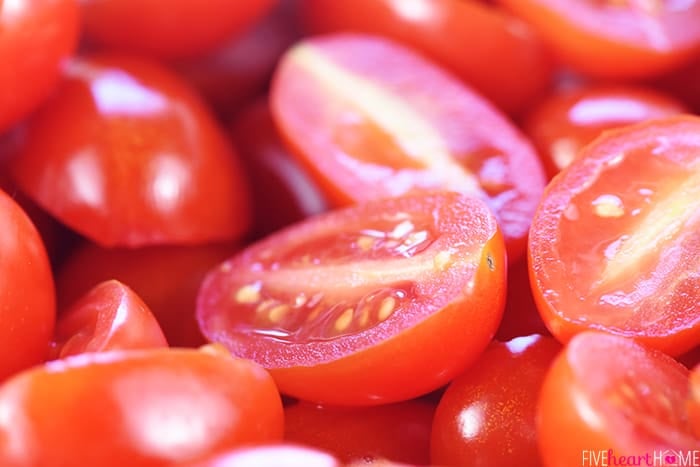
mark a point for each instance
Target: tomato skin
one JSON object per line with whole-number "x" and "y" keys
{"x": 606, "y": 392}
{"x": 605, "y": 40}
{"x": 461, "y": 35}
{"x": 279, "y": 183}
{"x": 167, "y": 29}
{"x": 27, "y": 78}
{"x": 127, "y": 401}
{"x": 694, "y": 400}
{"x": 453, "y": 313}
{"x": 154, "y": 156}
{"x": 27, "y": 303}
{"x": 108, "y": 317}
{"x": 273, "y": 455}
{"x": 167, "y": 278}
{"x": 487, "y": 415}
{"x": 599, "y": 293}
{"x": 367, "y": 131}
{"x": 566, "y": 121}
{"x": 397, "y": 432}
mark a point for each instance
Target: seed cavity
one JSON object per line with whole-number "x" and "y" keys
{"x": 278, "y": 312}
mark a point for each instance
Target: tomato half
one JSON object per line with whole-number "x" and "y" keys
{"x": 110, "y": 316}
{"x": 397, "y": 432}
{"x": 607, "y": 396}
{"x": 616, "y": 39}
{"x": 127, "y": 154}
{"x": 464, "y": 36}
{"x": 27, "y": 303}
{"x": 31, "y": 52}
{"x": 139, "y": 408}
{"x": 614, "y": 244}
{"x": 487, "y": 415}
{"x": 373, "y": 119}
{"x": 570, "y": 119}
{"x": 167, "y": 28}
{"x": 371, "y": 304}
{"x": 167, "y": 278}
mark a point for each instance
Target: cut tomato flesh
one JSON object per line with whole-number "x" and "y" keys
{"x": 369, "y": 131}
{"x": 614, "y": 245}
{"x": 347, "y": 282}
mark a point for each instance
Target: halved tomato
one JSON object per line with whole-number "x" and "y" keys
{"x": 613, "y": 38}
{"x": 608, "y": 396}
{"x": 614, "y": 245}
{"x": 373, "y": 119}
{"x": 375, "y": 303}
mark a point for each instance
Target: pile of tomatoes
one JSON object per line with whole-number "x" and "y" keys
{"x": 349, "y": 232}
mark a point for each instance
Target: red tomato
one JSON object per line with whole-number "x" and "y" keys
{"x": 108, "y": 317}
{"x": 168, "y": 28}
{"x": 36, "y": 36}
{"x": 520, "y": 317}
{"x": 282, "y": 189}
{"x": 616, "y": 39}
{"x": 461, "y": 35}
{"x": 348, "y": 307}
{"x": 166, "y": 278}
{"x": 274, "y": 455}
{"x": 608, "y": 396}
{"x": 487, "y": 415}
{"x": 614, "y": 243}
{"x": 369, "y": 131}
{"x": 27, "y": 304}
{"x": 136, "y": 408}
{"x": 694, "y": 405}
{"x": 568, "y": 120}
{"x": 126, "y": 154}
{"x": 397, "y": 432}
{"x": 240, "y": 69}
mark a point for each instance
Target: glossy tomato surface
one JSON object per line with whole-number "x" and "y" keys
{"x": 397, "y": 432}
{"x": 464, "y": 36}
{"x": 167, "y": 28}
{"x": 127, "y": 154}
{"x": 348, "y": 307}
{"x": 570, "y": 119}
{"x": 282, "y": 189}
{"x": 611, "y": 39}
{"x": 27, "y": 303}
{"x": 373, "y": 119}
{"x": 110, "y": 316}
{"x": 272, "y": 455}
{"x": 487, "y": 415}
{"x": 31, "y": 52}
{"x": 137, "y": 408}
{"x": 167, "y": 278}
{"x": 614, "y": 244}
{"x": 608, "y": 394}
